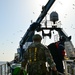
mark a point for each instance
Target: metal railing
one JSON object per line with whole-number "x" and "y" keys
{"x": 3, "y": 69}
{"x": 68, "y": 64}
{"x": 69, "y": 67}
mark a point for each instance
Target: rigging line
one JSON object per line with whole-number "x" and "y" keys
{"x": 44, "y": 40}
{"x": 63, "y": 74}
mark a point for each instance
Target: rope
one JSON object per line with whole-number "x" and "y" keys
{"x": 63, "y": 74}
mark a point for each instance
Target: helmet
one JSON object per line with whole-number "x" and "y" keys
{"x": 62, "y": 38}
{"x": 37, "y": 37}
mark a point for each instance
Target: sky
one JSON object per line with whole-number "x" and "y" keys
{"x": 16, "y": 16}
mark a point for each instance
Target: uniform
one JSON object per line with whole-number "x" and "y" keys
{"x": 35, "y": 57}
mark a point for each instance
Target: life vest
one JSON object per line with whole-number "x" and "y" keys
{"x": 36, "y": 54}
{"x": 60, "y": 48}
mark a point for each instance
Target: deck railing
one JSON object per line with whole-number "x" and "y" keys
{"x": 69, "y": 68}
{"x": 3, "y": 69}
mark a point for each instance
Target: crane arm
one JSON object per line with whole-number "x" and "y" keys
{"x": 45, "y": 10}
{"x": 35, "y": 25}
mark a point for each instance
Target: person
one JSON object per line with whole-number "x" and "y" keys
{"x": 16, "y": 59}
{"x": 35, "y": 58}
{"x": 58, "y": 53}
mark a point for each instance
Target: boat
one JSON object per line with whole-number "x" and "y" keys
{"x": 69, "y": 64}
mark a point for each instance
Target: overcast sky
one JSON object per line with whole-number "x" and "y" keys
{"x": 16, "y": 16}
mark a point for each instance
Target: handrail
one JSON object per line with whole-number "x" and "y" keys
{"x": 3, "y": 69}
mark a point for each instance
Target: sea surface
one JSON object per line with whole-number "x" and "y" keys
{"x": 2, "y": 62}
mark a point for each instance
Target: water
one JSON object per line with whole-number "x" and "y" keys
{"x": 2, "y": 62}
